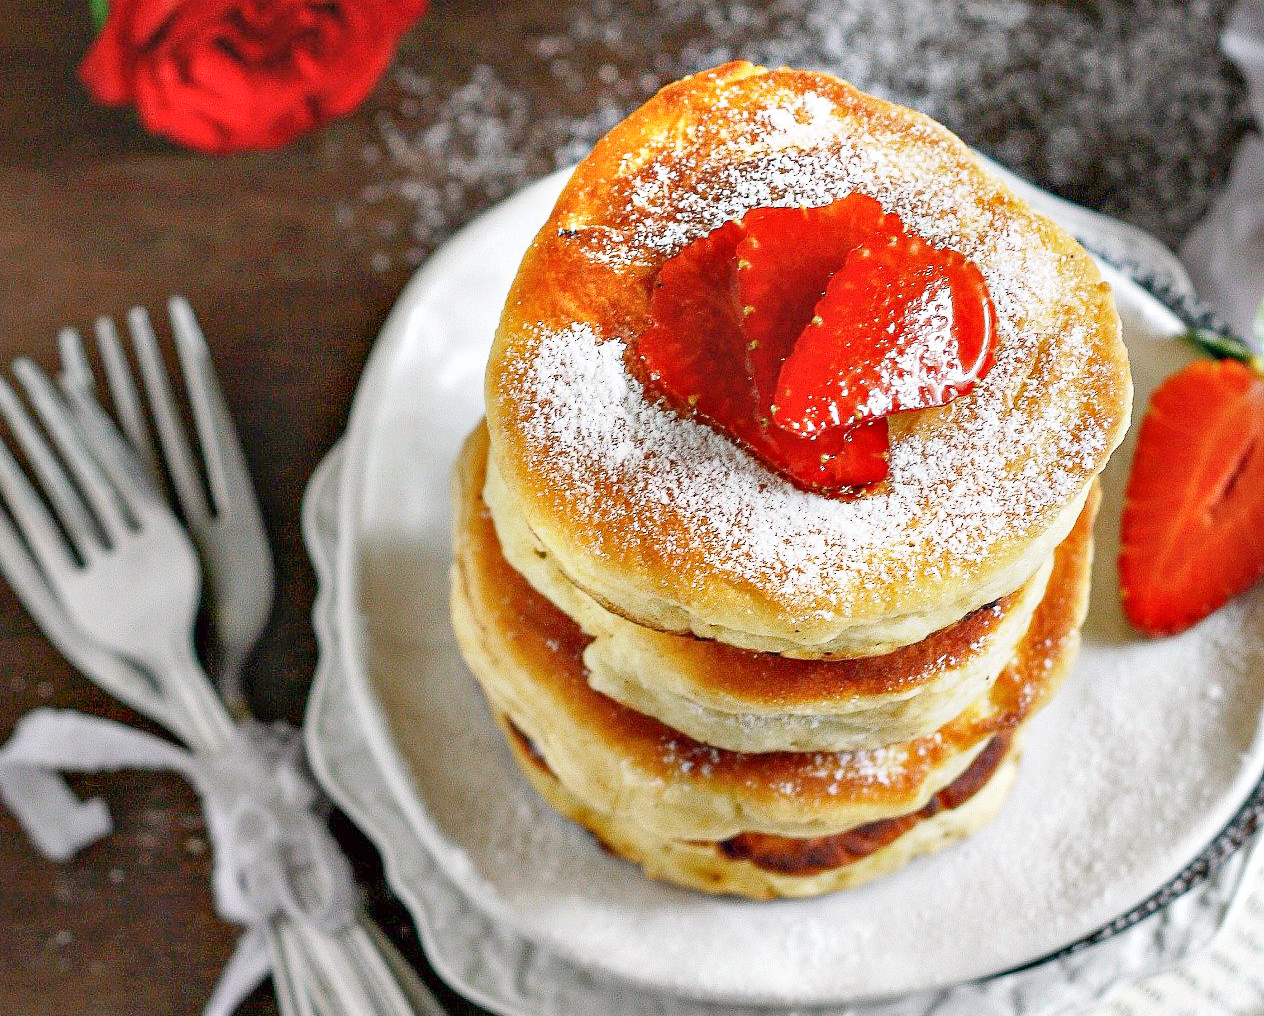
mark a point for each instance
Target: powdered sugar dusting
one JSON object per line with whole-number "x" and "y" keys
{"x": 929, "y": 365}
{"x": 846, "y": 773}
{"x": 963, "y": 478}
{"x": 595, "y": 421}
{"x": 1123, "y": 105}
{"x": 805, "y": 122}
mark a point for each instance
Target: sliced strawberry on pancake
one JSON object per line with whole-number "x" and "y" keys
{"x": 784, "y": 263}
{"x": 1193, "y": 520}
{"x": 692, "y": 353}
{"x": 898, "y": 325}
{"x": 692, "y": 349}
{"x": 901, "y": 326}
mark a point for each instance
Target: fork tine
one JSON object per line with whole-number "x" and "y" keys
{"x": 221, "y": 451}
{"x": 118, "y": 376}
{"x": 32, "y": 518}
{"x": 28, "y": 581}
{"x": 171, "y": 436}
{"x": 85, "y": 470}
{"x": 75, "y": 368}
{"x": 65, "y": 500}
{"x": 115, "y": 455}
{"x": 22, "y": 572}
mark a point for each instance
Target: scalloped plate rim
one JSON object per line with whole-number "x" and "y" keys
{"x": 352, "y": 642}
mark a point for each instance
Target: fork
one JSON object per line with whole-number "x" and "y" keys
{"x": 120, "y": 565}
{"x": 41, "y": 573}
{"x": 119, "y": 677}
{"x": 224, "y": 519}
{"x": 112, "y": 560}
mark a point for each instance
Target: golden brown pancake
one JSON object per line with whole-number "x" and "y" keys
{"x": 790, "y": 856}
{"x": 529, "y": 658}
{"x": 763, "y": 867}
{"x": 669, "y": 523}
{"x": 753, "y": 701}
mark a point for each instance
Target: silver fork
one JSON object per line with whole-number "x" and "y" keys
{"x": 113, "y": 561}
{"x": 120, "y": 565}
{"x": 224, "y": 518}
{"x": 229, "y": 534}
{"x": 35, "y": 559}
{"x": 117, "y": 676}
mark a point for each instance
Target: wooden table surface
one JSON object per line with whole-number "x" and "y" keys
{"x": 96, "y": 216}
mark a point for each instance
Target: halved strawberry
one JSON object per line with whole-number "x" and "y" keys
{"x": 1193, "y": 520}
{"x": 784, "y": 263}
{"x": 902, "y": 326}
{"x": 692, "y": 353}
{"x": 693, "y": 347}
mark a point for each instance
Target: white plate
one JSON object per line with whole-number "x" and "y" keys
{"x": 1141, "y": 760}
{"x": 488, "y": 963}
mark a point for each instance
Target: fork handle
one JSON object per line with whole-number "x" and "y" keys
{"x": 292, "y": 1000}
{"x": 174, "y": 663}
{"x": 356, "y": 972}
{"x": 351, "y": 973}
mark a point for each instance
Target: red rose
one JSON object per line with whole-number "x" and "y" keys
{"x": 233, "y": 75}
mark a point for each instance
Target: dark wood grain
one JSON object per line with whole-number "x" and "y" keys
{"x": 95, "y": 216}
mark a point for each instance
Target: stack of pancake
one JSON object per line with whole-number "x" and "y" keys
{"x": 742, "y": 685}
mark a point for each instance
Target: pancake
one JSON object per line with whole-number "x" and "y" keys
{"x": 754, "y": 702}
{"x": 671, "y": 524}
{"x": 529, "y": 659}
{"x": 762, "y": 867}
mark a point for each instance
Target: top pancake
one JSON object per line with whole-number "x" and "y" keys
{"x": 748, "y": 701}
{"x": 673, "y": 525}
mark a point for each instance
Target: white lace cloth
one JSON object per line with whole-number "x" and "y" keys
{"x": 1225, "y": 251}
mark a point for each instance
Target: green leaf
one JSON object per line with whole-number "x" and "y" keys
{"x": 1257, "y": 326}
{"x": 99, "y": 9}
{"x": 1226, "y": 347}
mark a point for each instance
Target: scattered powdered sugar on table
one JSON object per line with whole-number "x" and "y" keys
{"x": 1122, "y": 105}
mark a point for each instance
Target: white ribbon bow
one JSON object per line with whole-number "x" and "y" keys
{"x": 272, "y": 855}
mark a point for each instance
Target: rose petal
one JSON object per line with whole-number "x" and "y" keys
{"x": 229, "y": 75}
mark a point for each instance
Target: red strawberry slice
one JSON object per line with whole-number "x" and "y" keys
{"x": 1193, "y": 520}
{"x": 837, "y": 459}
{"x": 692, "y": 349}
{"x": 901, "y": 326}
{"x": 693, "y": 353}
{"x": 784, "y": 263}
